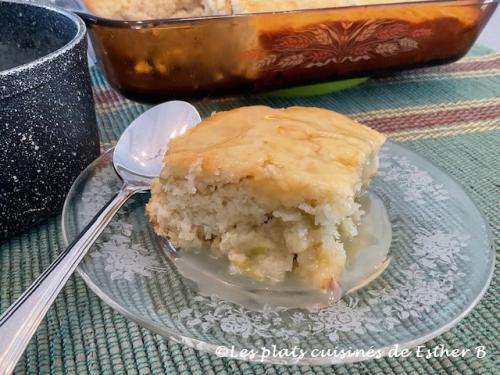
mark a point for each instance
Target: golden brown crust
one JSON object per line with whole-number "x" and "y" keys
{"x": 289, "y": 155}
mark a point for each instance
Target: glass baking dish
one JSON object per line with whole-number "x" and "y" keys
{"x": 152, "y": 61}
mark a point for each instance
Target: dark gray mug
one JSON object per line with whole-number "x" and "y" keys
{"x": 48, "y": 131}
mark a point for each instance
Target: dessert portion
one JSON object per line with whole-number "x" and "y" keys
{"x": 152, "y": 9}
{"x": 276, "y": 191}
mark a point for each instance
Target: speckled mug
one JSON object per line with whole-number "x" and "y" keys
{"x": 48, "y": 131}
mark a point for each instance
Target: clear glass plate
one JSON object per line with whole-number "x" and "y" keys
{"x": 442, "y": 262}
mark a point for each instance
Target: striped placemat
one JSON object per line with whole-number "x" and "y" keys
{"x": 449, "y": 114}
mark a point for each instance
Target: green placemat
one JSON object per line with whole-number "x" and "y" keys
{"x": 449, "y": 114}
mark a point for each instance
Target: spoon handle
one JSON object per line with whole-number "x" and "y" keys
{"x": 21, "y": 320}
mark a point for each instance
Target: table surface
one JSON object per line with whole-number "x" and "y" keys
{"x": 458, "y": 128}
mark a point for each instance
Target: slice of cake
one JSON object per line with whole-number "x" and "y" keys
{"x": 273, "y": 190}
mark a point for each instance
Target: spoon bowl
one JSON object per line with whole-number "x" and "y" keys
{"x": 138, "y": 155}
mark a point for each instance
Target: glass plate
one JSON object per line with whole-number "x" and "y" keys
{"x": 442, "y": 262}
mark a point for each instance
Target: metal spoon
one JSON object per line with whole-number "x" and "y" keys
{"x": 137, "y": 159}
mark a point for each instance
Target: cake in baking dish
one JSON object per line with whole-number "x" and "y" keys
{"x": 274, "y": 190}
{"x": 152, "y": 9}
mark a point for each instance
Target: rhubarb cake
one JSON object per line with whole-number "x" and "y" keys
{"x": 275, "y": 191}
{"x": 152, "y": 9}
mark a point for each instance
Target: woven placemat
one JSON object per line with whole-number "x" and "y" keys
{"x": 449, "y": 114}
